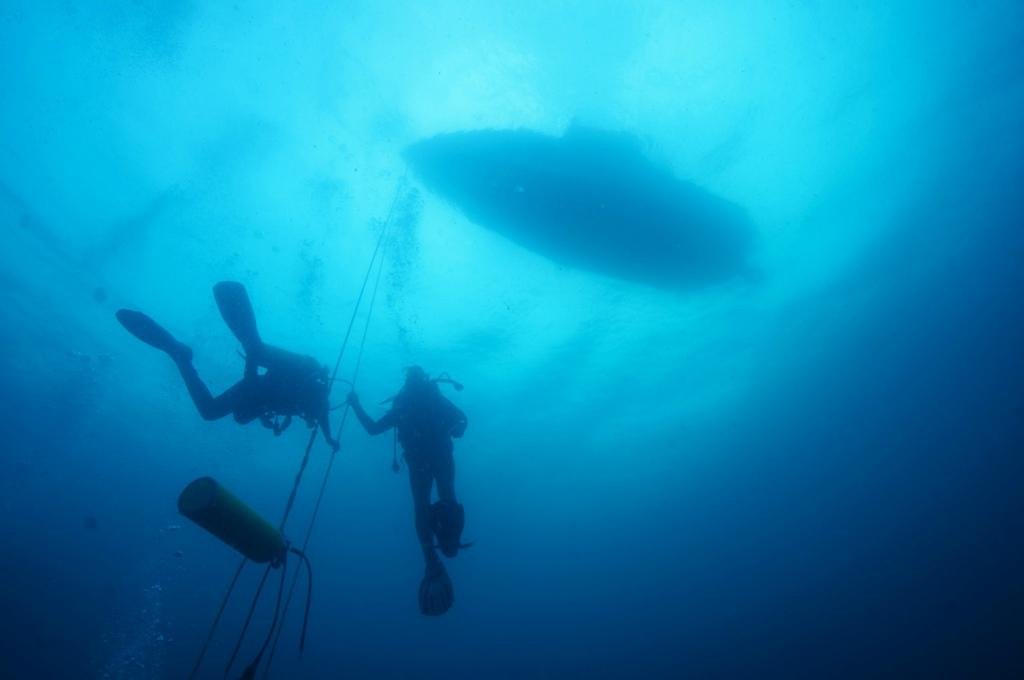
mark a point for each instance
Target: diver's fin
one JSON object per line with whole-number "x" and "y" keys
{"x": 153, "y": 334}
{"x": 436, "y": 592}
{"x": 235, "y": 308}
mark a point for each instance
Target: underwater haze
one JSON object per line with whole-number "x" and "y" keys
{"x": 808, "y": 465}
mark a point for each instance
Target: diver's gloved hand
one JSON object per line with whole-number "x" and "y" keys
{"x": 436, "y": 592}
{"x": 352, "y": 399}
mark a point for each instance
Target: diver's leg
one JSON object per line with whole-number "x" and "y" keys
{"x": 447, "y": 517}
{"x": 420, "y": 482}
{"x": 236, "y": 309}
{"x": 248, "y": 398}
{"x": 209, "y": 407}
{"x": 436, "y": 594}
{"x": 444, "y": 475}
{"x": 276, "y": 359}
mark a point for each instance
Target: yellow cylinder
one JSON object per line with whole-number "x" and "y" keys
{"x": 220, "y": 512}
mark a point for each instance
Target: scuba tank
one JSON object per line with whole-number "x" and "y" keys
{"x": 221, "y": 513}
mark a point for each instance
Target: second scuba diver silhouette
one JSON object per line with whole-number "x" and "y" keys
{"x": 292, "y": 384}
{"x": 425, "y": 423}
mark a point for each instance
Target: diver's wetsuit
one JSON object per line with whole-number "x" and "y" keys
{"x": 293, "y": 385}
{"x": 426, "y": 422}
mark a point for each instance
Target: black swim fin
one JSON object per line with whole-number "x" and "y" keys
{"x": 153, "y": 334}
{"x": 236, "y": 310}
{"x": 436, "y": 592}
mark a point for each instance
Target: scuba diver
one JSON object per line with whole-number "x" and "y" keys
{"x": 425, "y": 422}
{"x": 291, "y": 385}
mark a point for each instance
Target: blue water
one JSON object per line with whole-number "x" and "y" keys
{"x": 812, "y": 473}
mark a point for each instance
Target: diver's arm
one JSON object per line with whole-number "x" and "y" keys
{"x": 372, "y": 427}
